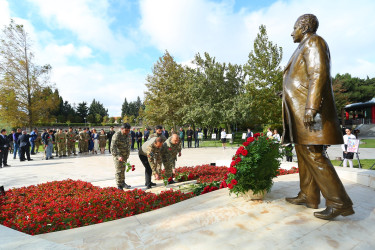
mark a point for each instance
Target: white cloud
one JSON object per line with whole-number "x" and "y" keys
{"x": 88, "y": 21}
{"x": 107, "y": 84}
{"x": 4, "y": 13}
{"x": 189, "y": 26}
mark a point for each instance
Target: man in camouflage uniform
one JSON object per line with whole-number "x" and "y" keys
{"x": 84, "y": 141}
{"x": 171, "y": 148}
{"x": 38, "y": 142}
{"x": 61, "y": 143}
{"x": 158, "y": 133}
{"x": 71, "y": 142}
{"x": 120, "y": 150}
{"x": 150, "y": 156}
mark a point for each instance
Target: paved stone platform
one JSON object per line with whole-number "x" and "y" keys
{"x": 211, "y": 221}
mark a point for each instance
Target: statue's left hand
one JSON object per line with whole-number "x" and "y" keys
{"x": 308, "y": 119}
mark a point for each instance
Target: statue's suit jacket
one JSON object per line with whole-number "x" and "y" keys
{"x": 307, "y": 85}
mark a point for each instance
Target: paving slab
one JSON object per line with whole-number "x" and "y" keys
{"x": 211, "y": 221}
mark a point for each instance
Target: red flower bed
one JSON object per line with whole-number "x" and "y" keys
{"x": 202, "y": 173}
{"x": 59, "y": 205}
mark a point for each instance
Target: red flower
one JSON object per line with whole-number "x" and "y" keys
{"x": 170, "y": 149}
{"x": 244, "y": 152}
{"x": 233, "y": 170}
{"x": 230, "y": 186}
{"x": 256, "y": 135}
{"x": 223, "y": 184}
{"x": 233, "y": 163}
{"x": 250, "y": 139}
{"x": 226, "y": 176}
{"x": 239, "y": 150}
{"x": 246, "y": 143}
{"x": 238, "y": 159}
{"x": 234, "y": 182}
{"x": 170, "y": 179}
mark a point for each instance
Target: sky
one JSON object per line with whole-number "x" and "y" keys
{"x": 104, "y": 49}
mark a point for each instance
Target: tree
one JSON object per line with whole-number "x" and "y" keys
{"x": 23, "y": 83}
{"x": 97, "y": 108}
{"x": 82, "y": 111}
{"x": 165, "y": 94}
{"x": 264, "y": 81}
{"x": 212, "y": 92}
{"x": 348, "y": 89}
{"x": 125, "y": 108}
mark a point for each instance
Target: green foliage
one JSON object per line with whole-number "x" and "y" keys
{"x": 82, "y": 111}
{"x": 256, "y": 167}
{"x": 96, "y": 109}
{"x": 348, "y": 89}
{"x": 132, "y": 108}
{"x": 261, "y": 102}
{"x": 166, "y": 93}
{"x": 26, "y": 97}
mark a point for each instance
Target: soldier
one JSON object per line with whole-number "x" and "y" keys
{"x": 71, "y": 141}
{"x": 61, "y": 143}
{"x": 150, "y": 156}
{"x": 159, "y": 133}
{"x": 120, "y": 150}
{"x": 171, "y": 148}
{"x": 84, "y": 141}
{"x": 38, "y": 142}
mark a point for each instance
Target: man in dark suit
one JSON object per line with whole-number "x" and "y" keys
{"x": 165, "y": 133}
{"x": 110, "y": 133}
{"x": 138, "y": 136}
{"x": 4, "y": 148}
{"x": 23, "y": 141}
{"x": 146, "y": 134}
{"x": 310, "y": 121}
{"x": 132, "y": 136}
{"x": 189, "y": 136}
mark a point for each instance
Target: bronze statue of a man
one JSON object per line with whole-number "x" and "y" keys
{"x": 310, "y": 121}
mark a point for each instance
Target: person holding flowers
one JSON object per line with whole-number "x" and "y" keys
{"x": 150, "y": 156}
{"x": 120, "y": 150}
{"x": 171, "y": 148}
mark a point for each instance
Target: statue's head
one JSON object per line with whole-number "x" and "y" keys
{"x": 305, "y": 24}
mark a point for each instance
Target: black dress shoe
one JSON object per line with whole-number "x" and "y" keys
{"x": 22, "y": 160}
{"x": 126, "y": 186}
{"x": 6, "y": 165}
{"x": 120, "y": 188}
{"x": 148, "y": 187}
{"x": 30, "y": 159}
{"x": 331, "y": 212}
{"x": 153, "y": 184}
{"x": 301, "y": 201}
{"x": 171, "y": 182}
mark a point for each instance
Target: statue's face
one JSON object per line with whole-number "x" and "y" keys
{"x": 297, "y": 33}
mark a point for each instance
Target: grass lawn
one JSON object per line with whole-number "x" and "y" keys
{"x": 367, "y": 143}
{"x": 365, "y": 163}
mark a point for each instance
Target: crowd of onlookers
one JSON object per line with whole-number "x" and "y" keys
{"x": 62, "y": 143}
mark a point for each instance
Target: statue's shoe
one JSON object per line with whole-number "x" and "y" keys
{"x": 301, "y": 201}
{"x": 331, "y": 212}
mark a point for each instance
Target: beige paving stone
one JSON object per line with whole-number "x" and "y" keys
{"x": 211, "y": 221}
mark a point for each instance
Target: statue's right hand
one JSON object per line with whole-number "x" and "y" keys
{"x": 308, "y": 118}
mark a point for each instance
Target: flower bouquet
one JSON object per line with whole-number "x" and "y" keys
{"x": 254, "y": 166}
{"x": 129, "y": 167}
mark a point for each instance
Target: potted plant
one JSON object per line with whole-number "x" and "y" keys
{"x": 254, "y": 166}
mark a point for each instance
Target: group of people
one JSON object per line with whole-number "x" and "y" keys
{"x": 63, "y": 143}
{"x": 158, "y": 149}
